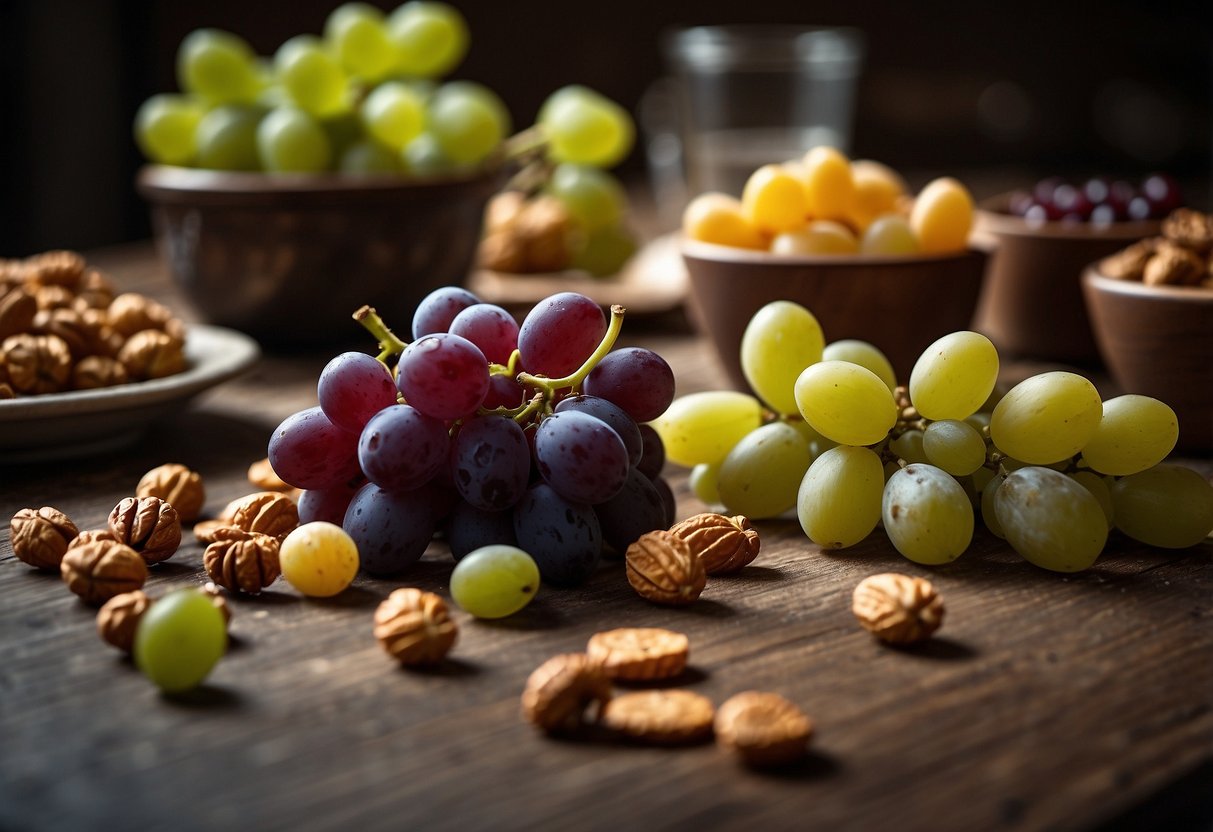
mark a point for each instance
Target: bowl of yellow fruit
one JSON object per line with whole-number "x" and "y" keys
{"x": 844, "y": 239}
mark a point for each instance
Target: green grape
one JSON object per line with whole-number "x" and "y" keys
{"x": 358, "y": 37}
{"x": 845, "y": 402}
{"x": 1046, "y": 418}
{"x": 319, "y": 559}
{"x": 394, "y": 114}
{"x": 179, "y": 639}
{"x": 954, "y": 446}
{"x": 762, "y": 473}
{"x": 1168, "y": 506}
{"x": 368, "y": 157}
{"x": 468, "y": 121}
{"x": 953, "y": 376}
{"x": 227, "y": 138}
{"x": 219, "y": 67}
{"x": 909, "y": 447}
{"x": 605, "y": 251}
{"x": 1134, "y": 433}
{"x": 780, "y": 341}
{"x": 423, "y": 157}
{"x": 978, "y": 420}
{"x": 1051, "y": 520}
{"x": 890, "y": 467}
{"x": 310, "y": 77}
{"x": 494, "y": 581}
{"x": 988, "y": 515}
{"x": 586, "y": 128}
{"x": 1099, "y": 489}
{"x": 166, "y": 128}
{"x": 981, "y": 477}
{"x": 290, "y": 140}
{"x": 703, "y": 483}
{"x": 344, "y": 130}
{"x": 816, "y": 441}
{"x": 839, "y": 499}
{"x": 863, "y": 354}
{"x": 430, "y": 38}
{"x": 927, "y": 515}
{"x": 704, "y": 427}
{"x": 593, "y": 197}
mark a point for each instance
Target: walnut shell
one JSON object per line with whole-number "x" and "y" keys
{"x": 266, "y": 512}
{"x": 177, "y": 485}
{"x": 119, "y": 617}
{"x": 99, "y": 570}
{"x": 41, "y": 537}
{"x": 897, "y": 608}
{"x": 149, "y": 525}
{"x": 764, "y": 729}
{"x": 415, "y": 627}
{"x": 662, "y": 568}
{"x": 36, "y": 363}
{"x": 242, "y": 561}
{"x": 560, "y": 690}
{"x": 723, "y": 544}
{"x": 151, "y": 353}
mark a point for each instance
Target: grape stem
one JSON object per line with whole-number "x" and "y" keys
{"x": 389, "y": 343}
{"x": 510, "y": 369}
{"x": 550, "y": 385}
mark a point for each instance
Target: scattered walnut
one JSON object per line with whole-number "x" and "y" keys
{"x": 262, "y": 475}
{"x": 40, "y": 537}
{"x": 242, "y": 561}
{"x": 99, "y": 570}
{"x": 266, "y": 512}
{"x": 662, "y": 568}
{"x": 97, "y": 371}
{"x": 1173, "y": 265}
{"x": 723, "y": 544}
{"x": 560, "y": 690}
{"x": 640, "y": 653}
{"x": 151, "y": 353}
{"x": 1190, "y": 229}
{"x": 414, "y": 627}
{"x": 149, "y": 525}
{"x": 36, "y": 363}
{"x": 177, "y": 485}
{"x": 119, "y": 617}
{"x": 764, "y": 729}
{"x": 17, "y": 311}
{"x": 130, "y": 313}
{"x": 92, "y": 535}
{"x": 897, "y": 608}
{"x": 661, "y": 717}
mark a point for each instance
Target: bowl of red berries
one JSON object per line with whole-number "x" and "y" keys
{"x": 1032, "y": 305}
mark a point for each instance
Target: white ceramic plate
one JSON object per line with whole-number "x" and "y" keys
{"x": 63, "y": 425}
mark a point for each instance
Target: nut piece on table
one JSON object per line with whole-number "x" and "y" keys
{"x": 40, "y": 537}
{"x": 723, "y": 544}
{"x": 99, "y": 570}
{"x": 262, "y": 475}
{"x": 661, "y": 717}
{"x": 207, "y": 531}
{"x": 91, "y": 536}
{"x": 559, "y": 691}
{"x": 36, "y": 364}
{"x": 640, "y": 653}
{"x": 149, "y": 525}
{"x": 242, "y": 561}
{"x": 266, "y": 512}
{"x": 415, "y": 627}
{"x": 896, "y": 608}
{"x": 763, "y": 729}
{"x": 662, "y": 568}
{"x": 119, "y": 617}
{"x": 176, "y": 485}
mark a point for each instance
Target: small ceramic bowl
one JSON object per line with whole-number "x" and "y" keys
{"x": 1032, "y": 304}
{"x": 289, "y": 258}
{"x": 1158, "y": 341}
{"x": 900, "y": 304}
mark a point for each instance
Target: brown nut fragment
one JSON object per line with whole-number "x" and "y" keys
{"x": 661, "y": 717}
{"x": 95, "y": 291}
{"x": 177, "y": 485}
{"x": 262, "y": 475}
{"x": 640, "y": 653}
{"x": 36, "y": 363}
{"x": 1173, "y": 265}
{"x": 897, "y": 609}
{"x": 119, "y": 617}
{"x": 503, "y": 251}
{"x": 151, "y": 353}
{"x": 242, "y": 561}
{"x": 1190, "y": 229}
{"x": 559, "y": 691}
{"x": 266, "y": 512}
{"x": 131, "y": 313}
{"x": 149, "y": 525}
{"x": 17, "y": 311}
{"x": 97, "y": 371}
{"x": 68, "y": 325}
{"x": 211, "y": 590}
{"x": 662, "y": 568}
{"x": 415, "y": 627}
{"x": 1130, "y": 263}
{"x": 52, "y": 297}
{"x": 55, "y": 268}
{"x": 99, "y": 570}
{"x": 93, "y": 535}
{"x": 543, "y": 227}
{"x": 41, "y": 537}
{"x": 208, "y": 530}
{"x": 723, "y": 544}
{"x": 764, "y": 729}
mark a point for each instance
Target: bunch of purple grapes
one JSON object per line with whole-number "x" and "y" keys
{"x": 1099, "y": 200}
{"x": 487, "y": 432}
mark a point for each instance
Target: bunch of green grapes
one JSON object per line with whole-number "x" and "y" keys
{"x": 1046, "y": 465}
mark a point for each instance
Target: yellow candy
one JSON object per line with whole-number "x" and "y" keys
{"x": 942, "y": 216}
{"x": 889, "y": 234}
{"x": 717, "y": 218}
{"x": 319, "y": 559}
{"x": 828, "y": 185}
{"x": 877, "y": 188}
{"x": 820, "y": 237}
{"x": 774, "y": 200}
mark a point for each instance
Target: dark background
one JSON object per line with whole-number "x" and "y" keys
{"x": 995, "y": 93}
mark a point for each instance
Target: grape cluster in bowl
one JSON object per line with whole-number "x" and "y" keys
{"x": 1099, "y": 200}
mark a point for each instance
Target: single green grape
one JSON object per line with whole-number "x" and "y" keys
{"x": 1046, "y": 418}
{"x": 494, "y": 581}
{"x": 166, "y": 129}
{"x": 703, "y": 483}
{"x": 430, "y": 38}
{"x": 311, "y": 78}
{"x": 343, "y": 130}
{"x": 845, "y": 402}
{"x": 704, "y": 427}
{"x": 1169, "y": 506}
{"x": 368, "y": 158}
{"x": 319, "y": 559}
{"x": 909, "y": 446}
{"x": 761, "y": 475}
{"x": 424, "y": 157}
{"x": 227, "y": 138}
{"x": 394, "y": 114}
{"x": 954, "y": 446}
{"x": 1051, "y": 520}
{"x": 604, "y": 251}
{"x": 1098, "y": 486}
{"x": 889, "y": 236}
{"x": 838, "y": 503}
{"x": 593, "y": 197}
{"x": 179, "y": 640}
{"x": 780, "y": 341}
{"x": 927, "y": 515}
{"x": 468, "y": 121}
{"x": 954, "y": 375}
{"x": 586, "y": 128}
{"x": 988, "y": 515}
{"x": 289, "y": 140}
{"x": 357, "y": 34}
{"x": 219, "y": 67}
{"x": 1134, "y": 433}
{"x": 863, "y": 354}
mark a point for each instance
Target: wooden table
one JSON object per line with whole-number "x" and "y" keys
{"x": 1048, "y": 701}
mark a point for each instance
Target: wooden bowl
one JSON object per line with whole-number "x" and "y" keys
{"x": 288, "y": 258}
{"x": 1158, "y": 341}
{"x": 1032, "y": 304}
{"x": 900, "y": 304}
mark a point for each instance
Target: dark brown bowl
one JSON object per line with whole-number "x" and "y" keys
{"x": 288, "y": 258}
{"x": 1032, "y": 303}
{"x": 900, "y": 304}
{"x": 1158, "y": 341}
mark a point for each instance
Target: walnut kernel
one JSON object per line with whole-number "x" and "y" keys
{"x": 662, "y": 568}
{"x": 177, "y": 485}
{"x": 1173, "y": 265}
{"x": 40, "y": 537}
{"x": 149, "y": 525}
{"x": 897, "y": 608}
{"x": 764, "y": 729}
{"x": 414, "y": 627}
{"x": 99, "y": 570}
{"x": 151, "y": 353}
{"x": 242, "y": 561}
{"x": 119, "y": 617}
{"x": 560, "y": 690}
{"x": 36, "y": 363}
{"x": 723, "y": 544}
{"x": 661, "y": 717}
{"x": 266, "y": 512}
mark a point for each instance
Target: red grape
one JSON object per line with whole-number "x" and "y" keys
{"x": 560, "y": 333}
{"x": 443, "y": 376}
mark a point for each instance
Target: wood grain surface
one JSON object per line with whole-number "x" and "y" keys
{"x": 1046, "y": 701}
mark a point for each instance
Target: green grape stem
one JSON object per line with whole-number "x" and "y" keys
{"x": 389, "y": 343}
{"x": 549, "y": 386}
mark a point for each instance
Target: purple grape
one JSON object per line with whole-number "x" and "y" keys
{"x": 401, "y": 448}
{"x": 1072, "y": 203}
{"x": 1097, "y": 189}
{"x": 308, "y": 451}
{"x": 652, "y": 460}
{"x": 391, "y": 528}
{"x": 328, "y": 504}
{"x": 468, "y": 528}
{"x": 1043, "y": 191}
{"x": 560, "y": 333}
{"x": 491, "y": 462}
{"x": 615, "y": 418}
{"x": 1163, "y": 193}
{"x": 563, "y": 536}
{"x": 352, "y": 388}
{"x": 1019, "y": 203}
{"x": 581, "y": 457}
{"x": 1140, "y": 208}
{"x": 503, "y": 392}
{"x": 638, "y": 508}
{"x": 638, "y": 380}
{"x": 443, "y": 375}
{"x": 1120, "y": 194}
{"x": 1103, "y": 215}
{"x": 667, "y": 498}
{"x": 489, "y": 327}
{"x": 439, "y": 308}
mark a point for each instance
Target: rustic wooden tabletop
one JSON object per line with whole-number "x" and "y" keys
{"x": 1046, "y": 702}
